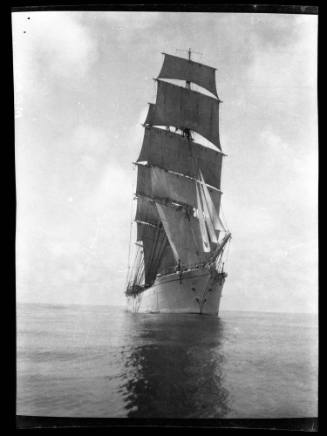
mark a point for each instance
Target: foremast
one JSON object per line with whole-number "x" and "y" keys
{"x": 178, "y": 183}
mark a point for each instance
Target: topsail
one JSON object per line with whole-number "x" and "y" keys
{"x": 174, "y": 152}
{"x": 190, "y": 71}
{"x": 178, "y": 180}
{"x": 185, "y": 109}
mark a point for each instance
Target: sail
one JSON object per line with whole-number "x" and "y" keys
{"x": 146, "y": 211}
{"x": 168, "y": 262}
{"x": 208, "y": 217}
{"x": 203, "y": 229}
{"x": 156, "y": 250}
{"x": 173, "y": 152}
{"x": 157, "y": 184}
{"x": 149, "y": 253}
{"x": 184, "y": 69}
{"x": 185, "y": 109}
{"x": 212, "y": 211}
{"x": 143, "y": 184}
{"x": 144, "y": 230}
{"x": 151, "y": 116}
{"x": 184, "y": 236}
{"x": 175, "y": 188}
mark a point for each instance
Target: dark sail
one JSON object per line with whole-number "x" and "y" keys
{"x": 185, "y": 109}
{"x": 190, "y": 71}
{"x": 174, "y": 152}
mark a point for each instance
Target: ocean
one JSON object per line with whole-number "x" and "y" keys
{"x": 98, "y": 361}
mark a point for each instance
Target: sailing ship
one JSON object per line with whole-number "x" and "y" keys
{"x": 180, "y": 236}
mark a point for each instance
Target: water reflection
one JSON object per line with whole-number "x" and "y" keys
{"x": 175, "y": 368}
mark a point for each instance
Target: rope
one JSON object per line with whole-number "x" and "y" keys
{"x": 129, "y": 251}
{"x": 153, "y": 263}
{"x": 162, "y": 243}
{"x": 227, "y": 251}
{"x": 129, "y": 244}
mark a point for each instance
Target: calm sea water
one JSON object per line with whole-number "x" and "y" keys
{"x": 105, "y": 362}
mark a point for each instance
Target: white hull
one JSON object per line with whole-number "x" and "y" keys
{"x": 196, "y": 291}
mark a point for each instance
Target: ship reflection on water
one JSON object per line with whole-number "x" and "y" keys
{"x": 178, "y": 369}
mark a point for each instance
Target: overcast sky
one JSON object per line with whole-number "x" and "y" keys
{"x": 82, "y": 83}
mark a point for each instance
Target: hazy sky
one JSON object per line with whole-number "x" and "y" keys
{"x": 82, "y": 83}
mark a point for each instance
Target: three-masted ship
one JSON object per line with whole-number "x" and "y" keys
{"x": 178, "y": 261}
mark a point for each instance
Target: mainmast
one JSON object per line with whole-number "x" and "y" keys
{"x": 188, "y": 83}
{"x": 187, "y": 131}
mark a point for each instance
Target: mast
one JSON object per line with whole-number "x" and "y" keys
{"x": 188, "y": 83}
{"x": 178, "y": 182}
{"x": 187, "y": 131}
